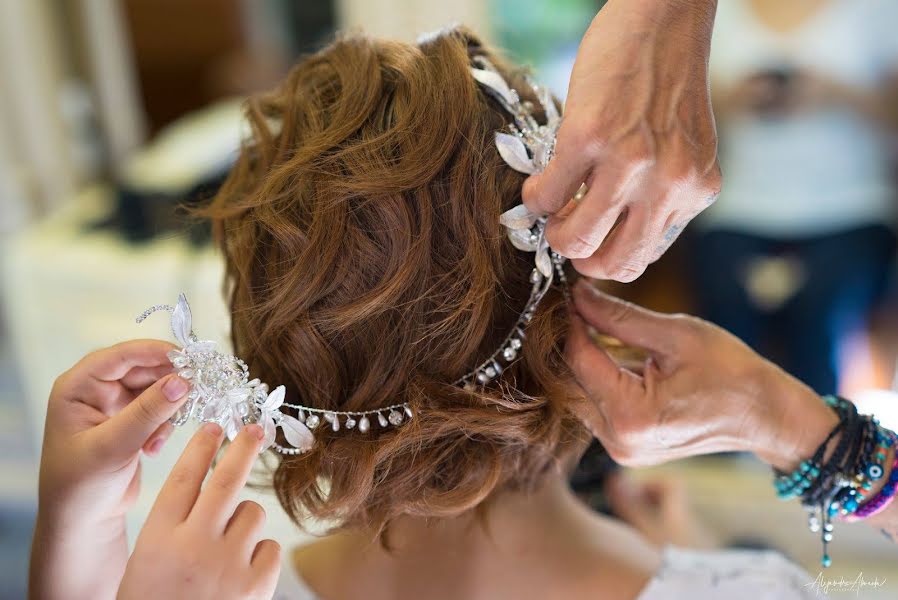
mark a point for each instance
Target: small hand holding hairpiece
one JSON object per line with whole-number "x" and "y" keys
{"x": 221, "y": 392}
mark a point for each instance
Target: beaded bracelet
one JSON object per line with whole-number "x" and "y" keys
{"x": 868, "y": 470}
{"x": 831, "y": 478}
{"x": 836, "y": 478}
{"x": 881, "y": 500}
{"x": 840, "y": 484}
{"x": 792, "y": 485}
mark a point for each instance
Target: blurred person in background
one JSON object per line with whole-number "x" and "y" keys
{"x": 802, "y": 241}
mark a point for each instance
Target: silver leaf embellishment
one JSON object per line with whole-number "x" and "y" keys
{"x": 182, "y": 321}
{"x": 514, "y": 152}
{"x": 495, "y": 83}
{"x": 518, "y": 217}
{"x": 298, "y": 435}
{"x": 543, "y": 260}
{"x": 545, "y": 98}
{"x": 275, "y": 399}
{"x": 522, "y": 239}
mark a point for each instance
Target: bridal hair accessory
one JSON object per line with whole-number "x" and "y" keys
{"x": 220, "y": 388}
{"x": 221, "y": 392}
{"x": 527, "y": 149}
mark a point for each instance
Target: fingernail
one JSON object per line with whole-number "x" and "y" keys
{"x": 255, "y": 431}
{"x": 174, "y": 389}
{"x": 213, "y": 429}
{"x": 156, "y": 446}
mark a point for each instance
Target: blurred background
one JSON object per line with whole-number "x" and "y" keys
{"x": 113, "y": 113}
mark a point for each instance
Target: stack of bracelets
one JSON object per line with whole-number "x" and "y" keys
{"x": 839, "y": 486}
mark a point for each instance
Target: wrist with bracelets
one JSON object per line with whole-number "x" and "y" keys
{"x": 838, "y": 485}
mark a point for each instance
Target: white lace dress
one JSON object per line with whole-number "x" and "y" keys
{"x": 721, "y": 575}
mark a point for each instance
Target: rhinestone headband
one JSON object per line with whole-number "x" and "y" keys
{"x": 220, "y": 388}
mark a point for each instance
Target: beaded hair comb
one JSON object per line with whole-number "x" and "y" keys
{"x": 220, "y": 388}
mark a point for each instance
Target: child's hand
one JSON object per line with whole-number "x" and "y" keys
{"x": 200, "y": 544}
{"x": 101, "y": 413}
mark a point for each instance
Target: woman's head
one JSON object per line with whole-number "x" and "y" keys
{"x": 367, "y": 267}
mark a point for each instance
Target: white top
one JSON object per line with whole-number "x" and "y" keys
{"x": 726, "y": 574}
{"x": 818, "y": 171}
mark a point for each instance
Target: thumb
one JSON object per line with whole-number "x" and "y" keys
{"x": 123, "y": 435}
{"x": 623, "y": 320}
{"x": 551, "y": 190}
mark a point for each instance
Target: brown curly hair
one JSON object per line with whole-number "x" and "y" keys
{"x": 366, "y": 266}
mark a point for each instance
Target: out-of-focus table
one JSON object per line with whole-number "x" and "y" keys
{"x": 68, "y": 291}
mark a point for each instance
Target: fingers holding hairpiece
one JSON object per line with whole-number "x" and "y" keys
{"x": 217, "y": 501}
{"x": 182, "y": 488}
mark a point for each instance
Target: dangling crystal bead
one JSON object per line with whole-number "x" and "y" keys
{"x": 312, "y": 421}
{"x": 364, "y": 425}
{"x": 490, "y": 372}
{"x": 350, "y": 423}
{"x": 482, "y": 377}
{"x": 382, "y": 420}
{"x": 535, "y": 276}
{"x": 333, "y": 420}
{"x": 395, "y": 417}
{"x": 408, "y": 411}
{"x": 516, "y": 343}
{"x": 509, "y": 354}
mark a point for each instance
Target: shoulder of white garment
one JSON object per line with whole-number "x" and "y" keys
{"x": 730, "y": 574}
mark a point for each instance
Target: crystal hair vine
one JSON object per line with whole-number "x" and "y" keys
{"x": 527, "y": 149}
{"x": 220, "y": 388}
{"x": 222, "y": 392}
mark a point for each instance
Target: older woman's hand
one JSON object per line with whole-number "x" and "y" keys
{"x": 701, "y": 390}
{"x": 639, "y": 131}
